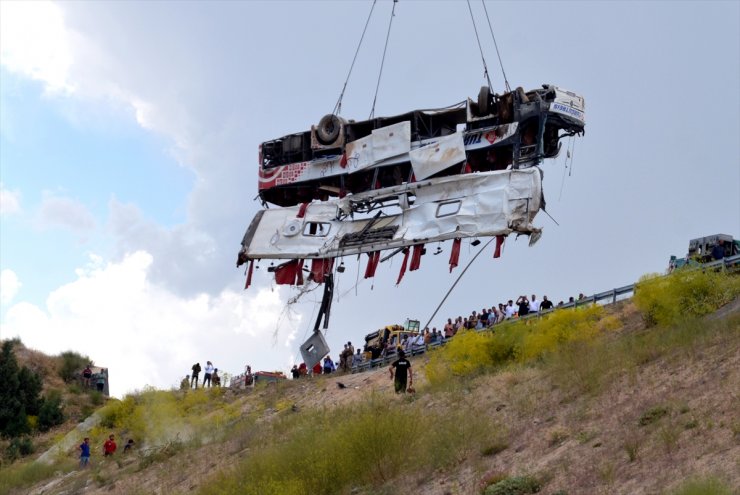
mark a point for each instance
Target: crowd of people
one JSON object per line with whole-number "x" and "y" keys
{"x": 488, "y": 317}
{"x": 397, "y": 342}
{"x": 109, "y": 449}
{"x": 210, "y": 377}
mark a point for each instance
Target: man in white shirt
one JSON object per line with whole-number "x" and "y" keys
{"x": 534, "y": 305}
{"x": 510, "y": 309}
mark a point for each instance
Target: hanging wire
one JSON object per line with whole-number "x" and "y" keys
{"x": 456, "y": 281}
{"x": 572, "y": 154}
{"x": 568, "y": 155}
{"x": 338, "y": 107}
{"x": 382, "y": 61}
{"x": 485, "y": 67}
{"x": 506, "y": 81}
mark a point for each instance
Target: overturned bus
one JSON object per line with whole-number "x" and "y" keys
{"x": 392, "y": 183}
{"x": 338, "y": 157}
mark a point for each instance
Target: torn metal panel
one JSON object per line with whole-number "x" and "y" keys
{"x": 314, "y": 349}
{"x": 436, "y": 157}
{"x": 360, "y": 154}
{"x": 478, "y": 204}
{"x": 386, "y": 142}
{"x": 392, "y": 140}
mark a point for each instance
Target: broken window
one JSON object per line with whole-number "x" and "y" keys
{"x": 316, "y": 229}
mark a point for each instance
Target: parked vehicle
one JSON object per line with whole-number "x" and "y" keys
{"x": 706, "y": 249}
{"x": 390, "y": 335}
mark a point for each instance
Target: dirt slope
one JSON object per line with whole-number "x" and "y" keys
{"x": 582, "y": 443}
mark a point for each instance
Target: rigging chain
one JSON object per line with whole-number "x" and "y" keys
{"x": 382, "y": 61}
{"x": 338, "y": 106}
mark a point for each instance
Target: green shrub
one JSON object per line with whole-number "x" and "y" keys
{"x": 471, "y": 353}
{"x": 702, "y": 486}
{"x": 652, "y": 415}
{"x": 519, "y": 485}
{"x": 683, "y": 294}
{"x": 26, "y": 474}
{"x": 96, "y": 398}
{"x": 632, "y": 448}
{"x": 71, "y": 365}
{"x": 19, "y": 447}
{"x": 19, "y": 394}
{"x": 51, "y": 413}
{"x": 365, "y": 444}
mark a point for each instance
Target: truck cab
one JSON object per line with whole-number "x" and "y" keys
{"x": 706, "y": 249}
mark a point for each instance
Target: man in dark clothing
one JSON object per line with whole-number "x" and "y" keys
{"x": 402, "y": 367}
{"x": 523, "y": 304}
{"x": 196, "y": 372}
{"x": 546, "y": 304}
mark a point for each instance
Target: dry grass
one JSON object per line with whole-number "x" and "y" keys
{"x": 634, "y": 411}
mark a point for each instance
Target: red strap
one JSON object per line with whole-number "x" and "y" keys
{"x": 416, "y": 257}
{"x": 320, "y": 268}
{"x": 285, "y": 273}
{"x": 302, "y": 210}
{"x": 467, "y": 168}
{"x": 249, "y": 275}
{"x": 403, "y": 265}
{"x": 299, "y": 273}
{"x": 455, "y": 254}
{"x": 372, "y": 264}
{"x": 499, "y": 243}
{"x": 343, "y": 161}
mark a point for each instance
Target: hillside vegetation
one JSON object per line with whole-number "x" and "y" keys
{"x": 638, "y": 397}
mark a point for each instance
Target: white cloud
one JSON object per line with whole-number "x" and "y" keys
{"x": 9, "y": 286}
{"x": 58, "y": 211}
{"x": 147, "y": 335}
{"x": 10, "y": 201}
{"x": 34, "y": 42}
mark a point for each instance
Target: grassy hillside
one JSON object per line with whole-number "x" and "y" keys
{"x": 640, "y": 397}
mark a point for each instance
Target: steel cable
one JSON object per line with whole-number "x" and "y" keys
{"x": 506, "y": 81}
{"x": 483, "y": 58}
{"x": 338, "y": 106}
{"x": 382, "y": 61}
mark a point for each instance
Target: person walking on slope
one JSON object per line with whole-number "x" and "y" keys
{"x": 109, "y": 447}
{"x": 402, "y": 368}
{"x": 196, "y": 372}
{"x": 85, "y": 453}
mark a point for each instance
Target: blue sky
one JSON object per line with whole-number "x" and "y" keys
{"x": 50, "y": 149}
{"x": 128, "y": 144}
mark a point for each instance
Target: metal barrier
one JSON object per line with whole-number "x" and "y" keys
{"x": 731, "y": 263}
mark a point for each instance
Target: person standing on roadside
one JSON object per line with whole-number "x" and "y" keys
{"x": 402, "y": 367}
{"x": 196, "y": 372}
{"x": 85, "y": 453}
{"x": 209, "y": 373}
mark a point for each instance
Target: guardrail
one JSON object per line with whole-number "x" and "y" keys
{"x": 612, "y": 296}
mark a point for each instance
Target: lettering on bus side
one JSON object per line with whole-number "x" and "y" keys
{"x": 472, "y": 138}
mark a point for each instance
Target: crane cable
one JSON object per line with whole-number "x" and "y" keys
{"x": 483, "y": 58}
{"x": 456, "y": 281}
{"x": 506, "y": 81}
{"x": 338, "y": 106}
{"x": 382, "y": 61}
